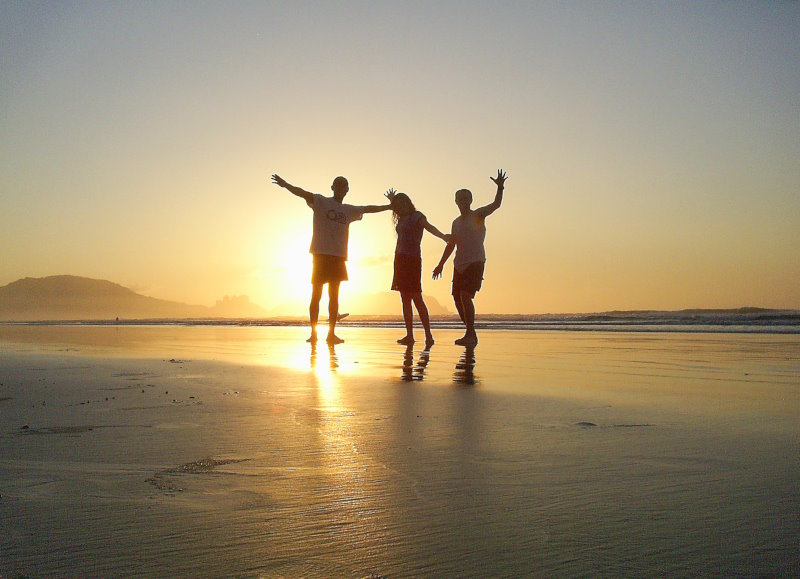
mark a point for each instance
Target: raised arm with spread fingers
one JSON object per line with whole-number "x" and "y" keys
{"x": 500, "y": 181}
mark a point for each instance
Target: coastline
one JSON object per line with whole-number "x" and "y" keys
{"x": 740, "y": 321}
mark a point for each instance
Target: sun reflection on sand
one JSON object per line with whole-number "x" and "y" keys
{"x": 344, "y": 498}
{"x": 324, "y": 365}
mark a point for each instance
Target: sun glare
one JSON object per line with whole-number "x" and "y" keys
{"x": 292, "y": 279}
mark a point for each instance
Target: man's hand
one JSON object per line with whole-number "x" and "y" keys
{"x": 390, "y": 195}
{"x": 278, "y": 180}
{"x": 500, "y": 179}
{"x": 437, "y": 273}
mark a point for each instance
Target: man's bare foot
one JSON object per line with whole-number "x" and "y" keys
{"x": 429, "y": 342}
{"x": 334, "y": 339}
{"x": 406, "y": 341}
{"x": 468, "y": 340}
{"x": 313, "y": 338}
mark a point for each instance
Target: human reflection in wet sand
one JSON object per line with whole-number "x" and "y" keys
{"x": 334, "y": 363}
{"x": 415, "y": 372}
{"x": 464, "y": 373}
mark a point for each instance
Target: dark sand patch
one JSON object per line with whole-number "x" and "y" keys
{"x": 593, "y": 425}
{"x": 71, "y": 430}
{"x": 163, "y": 480}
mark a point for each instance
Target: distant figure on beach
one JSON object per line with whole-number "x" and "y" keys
{"x": 468, "y": 233}
{"x": 332, "y": 220}
{"x": 410, "y": 224}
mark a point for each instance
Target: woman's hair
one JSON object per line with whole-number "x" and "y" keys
{"x": 398, "y": 199}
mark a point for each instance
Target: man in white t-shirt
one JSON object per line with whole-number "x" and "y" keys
{"x": 332, "y": 220}
{"x": 467, "y": 236}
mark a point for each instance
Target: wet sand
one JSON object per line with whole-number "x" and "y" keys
{"x": 243, "y": 452}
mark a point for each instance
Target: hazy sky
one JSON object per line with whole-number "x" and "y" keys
{"x": 653, "y": 148}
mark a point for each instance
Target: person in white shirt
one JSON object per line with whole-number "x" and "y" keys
{"x": 468, "y": 233}
{"x": 332, "y": 220}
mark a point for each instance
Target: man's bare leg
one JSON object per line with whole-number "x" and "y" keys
{"x": 470, "y": 337}
{"x": 313, "y": 310}
{"x": 333, "y": 312}
{"x": 459, "y": 307}
{"x": 408, "y": 318}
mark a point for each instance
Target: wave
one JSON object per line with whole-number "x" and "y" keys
{"x": 742, "y": 320}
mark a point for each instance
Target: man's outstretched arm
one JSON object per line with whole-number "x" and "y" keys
{"x": 306, "y": 195}
{"x": 376, "y": 208}
{"x": 448, "y": 251}
{"x": 500, "y": 181}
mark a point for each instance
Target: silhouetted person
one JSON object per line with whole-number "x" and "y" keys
{"x": 332, "y": 220}
{"x": 467, "y": 236}
{"x": 410, "y": 224}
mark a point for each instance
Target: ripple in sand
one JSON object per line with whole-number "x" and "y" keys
{"x": 58, "y": 429}
{"x": 162, "y": 479}
{"x": 593, "y": 425}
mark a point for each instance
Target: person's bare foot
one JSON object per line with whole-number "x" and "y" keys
{"x": 468, "y": 340}
{"x": 334, "y": 339}
{"x": 429, "y": 342}
{"x": 313, "y": 338}
{"x": 406, "y": 341}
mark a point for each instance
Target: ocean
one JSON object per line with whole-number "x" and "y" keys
{"x": 743, "y": 320}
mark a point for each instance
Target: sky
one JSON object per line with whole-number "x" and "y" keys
{"x": 652, "y": 148}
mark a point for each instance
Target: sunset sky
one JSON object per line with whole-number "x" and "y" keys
{"x": 653, "y": 149}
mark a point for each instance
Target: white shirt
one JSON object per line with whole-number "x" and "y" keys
{"x": 469, "y": 232}
{"x": 332, "y": 225}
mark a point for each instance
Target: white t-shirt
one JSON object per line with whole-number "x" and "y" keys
{"x": 469, "y": 233}
{"x": 331, "y": 225}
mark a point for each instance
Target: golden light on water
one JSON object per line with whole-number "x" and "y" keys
{"x": 342, "y": 463}
{"x": 324, "y": 366}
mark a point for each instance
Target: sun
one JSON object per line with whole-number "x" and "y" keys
{"x": 294, "y": 269}
{"x": 285, "y": 272}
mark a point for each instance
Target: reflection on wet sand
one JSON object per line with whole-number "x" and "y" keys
{"x": 333, "y": 362}
{"x": 464, "y": 373}
{"x": 415, "y": 372}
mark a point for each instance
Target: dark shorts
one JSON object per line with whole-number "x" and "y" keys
{"x": 327, "y": 269}
{"x": 469, "y": 280}
{"x": 407, "y": 273}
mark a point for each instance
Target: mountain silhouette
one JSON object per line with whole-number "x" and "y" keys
{"x": 67, "y": 297}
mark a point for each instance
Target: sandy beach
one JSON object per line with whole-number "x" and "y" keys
{"x": 244, "y": 452}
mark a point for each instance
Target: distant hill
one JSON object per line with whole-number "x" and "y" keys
{"x": 384, "y": 303}
{"x": 67, "y": 297}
